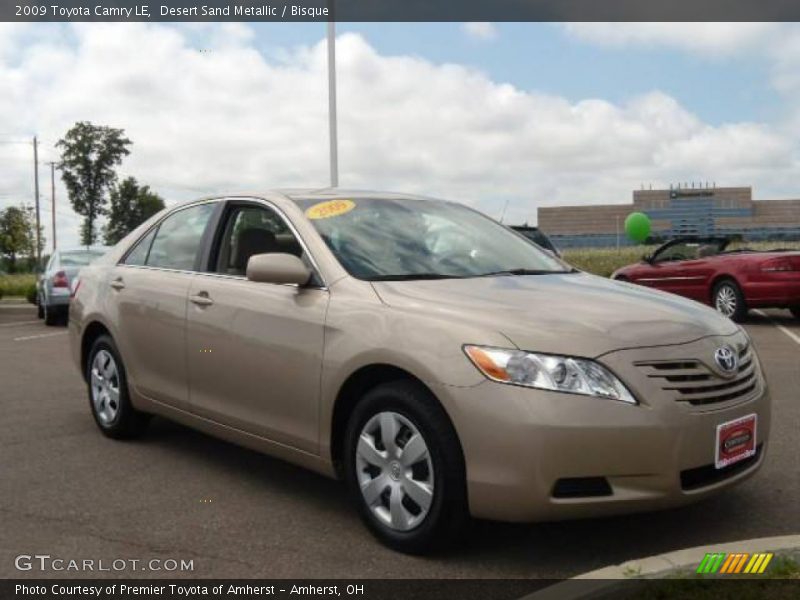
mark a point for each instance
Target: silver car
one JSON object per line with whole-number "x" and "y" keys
{"x": 53, "y": 286}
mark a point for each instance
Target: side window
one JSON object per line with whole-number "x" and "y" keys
{"x": 253, "y": 230}
{"x": 178, "y": 238}
{"x": 678, "y": 252}
{"x": 138, "y": 256}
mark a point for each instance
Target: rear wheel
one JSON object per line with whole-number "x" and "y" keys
{"x": 795, "y": 311}
{"x": 51, "y": 315}
{"x": 108, "y": 392}
{"x": 729, "y": 300}
{"x": 405, "y": 469}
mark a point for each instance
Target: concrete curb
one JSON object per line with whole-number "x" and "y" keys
{"x": 601, "y": 582}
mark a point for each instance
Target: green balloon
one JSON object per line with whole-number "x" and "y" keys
{"x": 637, "y": 226}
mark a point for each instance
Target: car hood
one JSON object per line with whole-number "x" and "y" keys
{"x": 574, "y": 314}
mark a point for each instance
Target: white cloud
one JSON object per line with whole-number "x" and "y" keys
{"x": 228, "y": 119}
{"x": 480, "y": 30}
{"x": 715, "y": 39}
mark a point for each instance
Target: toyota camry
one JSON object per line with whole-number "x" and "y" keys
{"x": 441, "y": 364}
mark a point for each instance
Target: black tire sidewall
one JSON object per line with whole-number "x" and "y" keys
{"x": 741, "y": 305}
{"x": 49, "y": 315}
{"x": 448, "y": 509}
{"x": 128, "y": 421}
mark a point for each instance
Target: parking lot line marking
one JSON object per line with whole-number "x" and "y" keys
{"x": 18, "y": 323}
{"x": 41, "y": 335}
{"x": 792, "y": 335}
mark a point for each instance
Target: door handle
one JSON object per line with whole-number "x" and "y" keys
{"x": 201, "y": 299}
{"x": 117, "y": 284}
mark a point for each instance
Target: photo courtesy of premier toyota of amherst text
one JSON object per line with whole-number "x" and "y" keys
{"x": 442, "y": 300}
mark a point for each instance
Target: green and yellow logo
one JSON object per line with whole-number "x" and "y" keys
{"x": 722, "y": 562}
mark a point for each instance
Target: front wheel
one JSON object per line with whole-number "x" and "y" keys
{"x": 108, "y": 392}
{"x": 795, "y": 311}
{"x": 405, "y": 468}
{"x": 729, "y": 300}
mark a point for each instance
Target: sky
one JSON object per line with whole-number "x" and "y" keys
{"x": 508, "y": 116}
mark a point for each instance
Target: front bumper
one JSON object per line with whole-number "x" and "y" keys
{"x": 519, "y": 443}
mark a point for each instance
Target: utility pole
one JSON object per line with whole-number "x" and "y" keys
{"x": 53, "y": 199}
{"x": 334, "y": 142}
{"x": 36, "y": 192}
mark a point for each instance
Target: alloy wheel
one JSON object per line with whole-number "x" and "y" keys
{"x": 726, "y": 300}
{"x": 395, "y": 471}
{"x": 105, "y": 386}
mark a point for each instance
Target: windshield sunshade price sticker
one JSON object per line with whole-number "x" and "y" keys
{"x": 330, "y": 208}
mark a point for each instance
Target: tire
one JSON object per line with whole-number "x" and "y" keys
{"x": 50, "y": 315}
{"x": 728, "y": 299}
{"x": 795, "y": 311}
{"x": 114, "y": 414}
{"x": 39, "y": 311}
{"x": 436, "y": 477}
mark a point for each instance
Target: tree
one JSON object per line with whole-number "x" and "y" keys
{"x": 89, "y": 154}
{"x": 18, "y": 235}
{"x": 131, "y": 205}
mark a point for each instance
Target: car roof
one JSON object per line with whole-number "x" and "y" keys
{"x": 310, "y": 194}
{"x": 84, "y": 249}
{"x": 323, "y": 193}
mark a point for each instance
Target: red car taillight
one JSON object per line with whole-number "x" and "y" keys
{"x": 60, "y": 280}
{"x": 777, "y": 264}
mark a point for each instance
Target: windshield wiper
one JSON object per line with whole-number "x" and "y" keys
{"x": 413, "y": 276}
{"x": 527, "y": 272}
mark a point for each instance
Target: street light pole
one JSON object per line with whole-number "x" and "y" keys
{"x": 36, "y": 192}
{"x": 53, "y": 199}
{"x": 334, "y": 142}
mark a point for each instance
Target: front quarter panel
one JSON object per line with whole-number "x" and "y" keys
{"x": 362, "y": 331}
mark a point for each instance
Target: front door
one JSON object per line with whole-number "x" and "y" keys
{"x": 254, "y": 350}
{"x": 148, "y": 300}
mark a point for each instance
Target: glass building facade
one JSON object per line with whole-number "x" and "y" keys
{"x": 675, "y": 213}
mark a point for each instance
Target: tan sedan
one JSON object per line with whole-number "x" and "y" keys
{"x": 440, "y": 363}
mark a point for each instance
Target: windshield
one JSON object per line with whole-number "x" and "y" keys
{"x": 78, "y": 258}
{"x": 379, "y": 239}
{"x": 537, "y": 237}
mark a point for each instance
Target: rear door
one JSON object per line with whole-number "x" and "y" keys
{"x": 148, "y": 298}
{"x": 255, "y": 349}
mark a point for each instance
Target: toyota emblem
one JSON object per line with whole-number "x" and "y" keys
{"x": 727, "y": 359}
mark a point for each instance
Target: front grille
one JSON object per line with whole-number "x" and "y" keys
{"x": 692, "y": 479}
{"x": 693, "y": 382}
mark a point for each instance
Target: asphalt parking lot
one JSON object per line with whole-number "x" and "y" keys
{"x": 67, "y": 491}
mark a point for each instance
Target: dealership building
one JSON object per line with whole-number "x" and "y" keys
{"x": 675, "y": 212}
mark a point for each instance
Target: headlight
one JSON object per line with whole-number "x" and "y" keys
{"x": 548, "y": 372}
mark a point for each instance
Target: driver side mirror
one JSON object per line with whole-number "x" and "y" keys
{"x": 277, "y": 268}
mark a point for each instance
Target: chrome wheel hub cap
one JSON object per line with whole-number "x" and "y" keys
{"x": 394, "y": 470}
{"x": 726, "y": 300}
{"x": 105, "y": 387}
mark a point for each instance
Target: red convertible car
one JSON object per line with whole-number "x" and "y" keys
{"x": 733, "y": 281}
